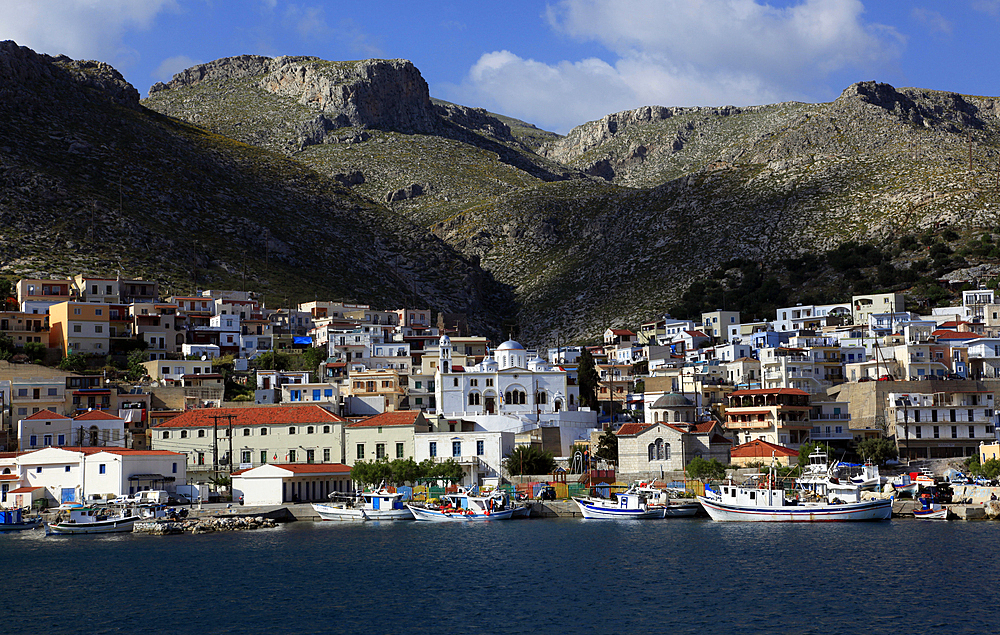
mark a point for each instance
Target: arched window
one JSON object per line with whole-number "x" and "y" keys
{"x": 666, "y": 451}
{"x": 652, "y": 451}
{"x": 571, "y": 400}
{"x": 184, "y": 434}
{"x": 291, "y": 429}
{"x": 506, "y": 397}
{"x": 474, "y": 399}
{"x": 558, "y": 405}
{"x": 659, "y": 449}
{"x": 540, "y": 397}
{"x": 521, "y": 397}
{"x": 201, "y": 434}
{"x": 246, "y": 432}
{"x": 166, "y": 434}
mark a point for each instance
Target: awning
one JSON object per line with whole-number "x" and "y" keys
{"x": 151, "y": 477}
{"x": 302, "y": 339}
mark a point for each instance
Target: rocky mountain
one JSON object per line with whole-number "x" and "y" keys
{"x": 92, "y": 181}
{"x": 550, "y": 235}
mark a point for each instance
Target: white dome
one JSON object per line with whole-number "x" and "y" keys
{"x": 510, "y": 345}
{"x": 444, "y": 341}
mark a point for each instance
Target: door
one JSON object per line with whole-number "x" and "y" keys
{"x": 68, "y": 495}
{"x": 490, "y": 405}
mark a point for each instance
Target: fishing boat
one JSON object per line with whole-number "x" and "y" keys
{"x": 12, "y": 520}
{"x": 929, "y": 510}
{"x": 464, "y": 506}
{"x": 631, "y": 504}
{"x": 666, "y": 497}
{"x": 92, "y": 520}
{"x": 380, "y": 504}
{"x": 764, "y": 500}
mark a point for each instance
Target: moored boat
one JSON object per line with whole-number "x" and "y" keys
{"x": 929, "y": 510}
{"x": 630, "y": 505}
{"x": 92, "y": 520}
{"x": 380, "y": 504}
{"x": 463, "y": 506}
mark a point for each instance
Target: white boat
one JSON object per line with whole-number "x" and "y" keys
{"x": 630, "y": 505}
{"x": 664, "y": 497}
{"x": 869, "y": 476}
{"x": 92, "y": 520}
{"x": 378, "y": 505}
{"x": 738, "y": 503}
{"x": 928, "y": 510}
{"x": 463, "y": 506}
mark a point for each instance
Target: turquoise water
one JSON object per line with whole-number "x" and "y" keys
{"x": 530, "y": 576}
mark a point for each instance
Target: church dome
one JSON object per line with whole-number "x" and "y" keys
{"x": 672, "y": 400}
{"x": 510, "y": 345}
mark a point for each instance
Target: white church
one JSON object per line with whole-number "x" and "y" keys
{"x": 508, "y": 392}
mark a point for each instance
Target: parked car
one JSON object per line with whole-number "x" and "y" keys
{"x": 178, "y": 499}
{"x": 547, "y": 493}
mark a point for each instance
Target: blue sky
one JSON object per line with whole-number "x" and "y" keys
{"x": 556, "y": 64}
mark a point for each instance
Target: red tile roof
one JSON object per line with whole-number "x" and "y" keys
{"x": 704, "y": 427}
{"x": 944, "y": 334}
{"x": 46, "y": 414}
{"x": 621, "y": 332}
{"x": 9, "y": 477}
{"x": 262, "y": 415}
{"x": 397, "y": 418}
{"x": 759, "y": 448}
{"x": 630, "y": 429}
{"x": 769, "y": 391}
{"x": 308, "y": 468}
{"x": 24, "y": 490}
{"x": 97, "y": 415}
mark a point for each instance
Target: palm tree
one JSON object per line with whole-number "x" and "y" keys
{"x": 527, "y": 459}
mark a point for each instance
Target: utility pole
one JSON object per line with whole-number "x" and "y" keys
{"x": 215, "y": 446}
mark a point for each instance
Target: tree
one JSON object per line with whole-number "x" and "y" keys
{"x": 312, "y": 357}
{"x": 273, "y": 361}
{"x": 527, "y": 459}
{"x": 6, "y": 346}
{"x": 35, "y": 351}
{"x": 74, "y": 362}
{"x": 404, "y": 471}
{"x": 450, "y": 471}
{"x": 607, "y": 447}
{"x": 808, "y": 448}
{"x": 586, "y": 376}
{"x": 136, "y": 359}
{"x": 990, "y": 469}
{"x": 710, "y": 470}
{"x": 878, "y": 450}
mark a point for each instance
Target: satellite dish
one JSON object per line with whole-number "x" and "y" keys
{"x": 204, "y": 358}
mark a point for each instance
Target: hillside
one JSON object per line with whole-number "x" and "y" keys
{"x": 347, "y": 179}
{"x": 91, "y": 181}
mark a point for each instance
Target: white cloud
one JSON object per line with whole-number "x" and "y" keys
{"x": 81, "y": 29}
{"x": 991, "y": 7}
{"x": 171, "y": 66}
{"x": 680, "y": 52}
{"x": 934, "y": 21}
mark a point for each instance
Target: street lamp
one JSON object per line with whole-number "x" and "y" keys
{"x": 904, "y": 403}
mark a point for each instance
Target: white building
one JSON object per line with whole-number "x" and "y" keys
{"x": 480, "y": 452}
{"x": 291, "y": 482}
{"x": 70, "y": 475}
{"x": 511, "y": 392}
{"x": 93, "y": 428}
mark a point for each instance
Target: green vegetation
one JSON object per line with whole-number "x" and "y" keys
{"x": 402, "y": 471}
{"x": 705, "y": 470}
{"x": 74, "y": 362}
{"x": 808, "y": 448}
{"x": 587, "y": 378}
{"x": 878, "y": 450}
{"x": 527, "y": 459}
{"x": 607, "y": 447}
{"x": 990, "y": 469}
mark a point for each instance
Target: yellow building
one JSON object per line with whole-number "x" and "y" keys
{"x": 79, "y": 327}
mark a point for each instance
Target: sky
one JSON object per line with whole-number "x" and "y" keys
{"x": 555, "y": 64}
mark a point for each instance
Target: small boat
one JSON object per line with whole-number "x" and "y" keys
{"x": 929, "y": 510}
{"x": 378, "y": 505}
{"x": 463, "y": 506}
{"x": 92, "y": 520}
{"x": 661, "y": 497}
{"x": 630, "y": 505}
{"x": 12, "y": 520}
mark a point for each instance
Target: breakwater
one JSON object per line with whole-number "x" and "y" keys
{"x": 202, "y": 525}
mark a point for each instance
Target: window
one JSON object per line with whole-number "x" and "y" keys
{"x": 310, "y": 429}
{"x": 379, "y": 450}
{"x": 166, "y": 434}
{"x": 98, "y": 328}
{"x": 52, "y": 392}
{"x": 246, "y": 432}
{"x": 328, "y": 392}
{"x": 954, "y": 432}
{"x": 937, "y": 434}
{"x": 399, "y": 450}
{"x": 263, "y": 457}
{"x": 919, "y": 431}
{"x": 38, "y": 470}
{"x": 244, "y": 456}
{"x": 291, "y": 429}
{"x": 62, "y": 439}
{"x": 972, "y": 432}
{"x": 77, "y": 328}
{"x": 263, "y": 432}
{"x": 361, "y": 451}
{"x": 67, "y": 468}
{"x": 201, "y": 434}
{"x": 489, "y": 382}
{"x": 456, "y": 448}
{"x": 310, "y": 456}
{"x": 326, "y": 429}
{"x": 326, "y": 455}
{"x": 76, "y": 310}
{"x": 174, "y": 468}
{"x": 47, "y": 439}
{"x": 102, "y": 468}
{"x": 455, "y": 380}
{"x": 291, "y": 456}
{"x": 433, "y": 448}
{"x": 184, "y": 434}
{"x": 480, "y": 448}
{"x": 316, "y": 393}
{"x": 201, "y": 458}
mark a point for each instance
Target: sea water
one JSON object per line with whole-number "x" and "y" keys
{"x": 519, "y": 576}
